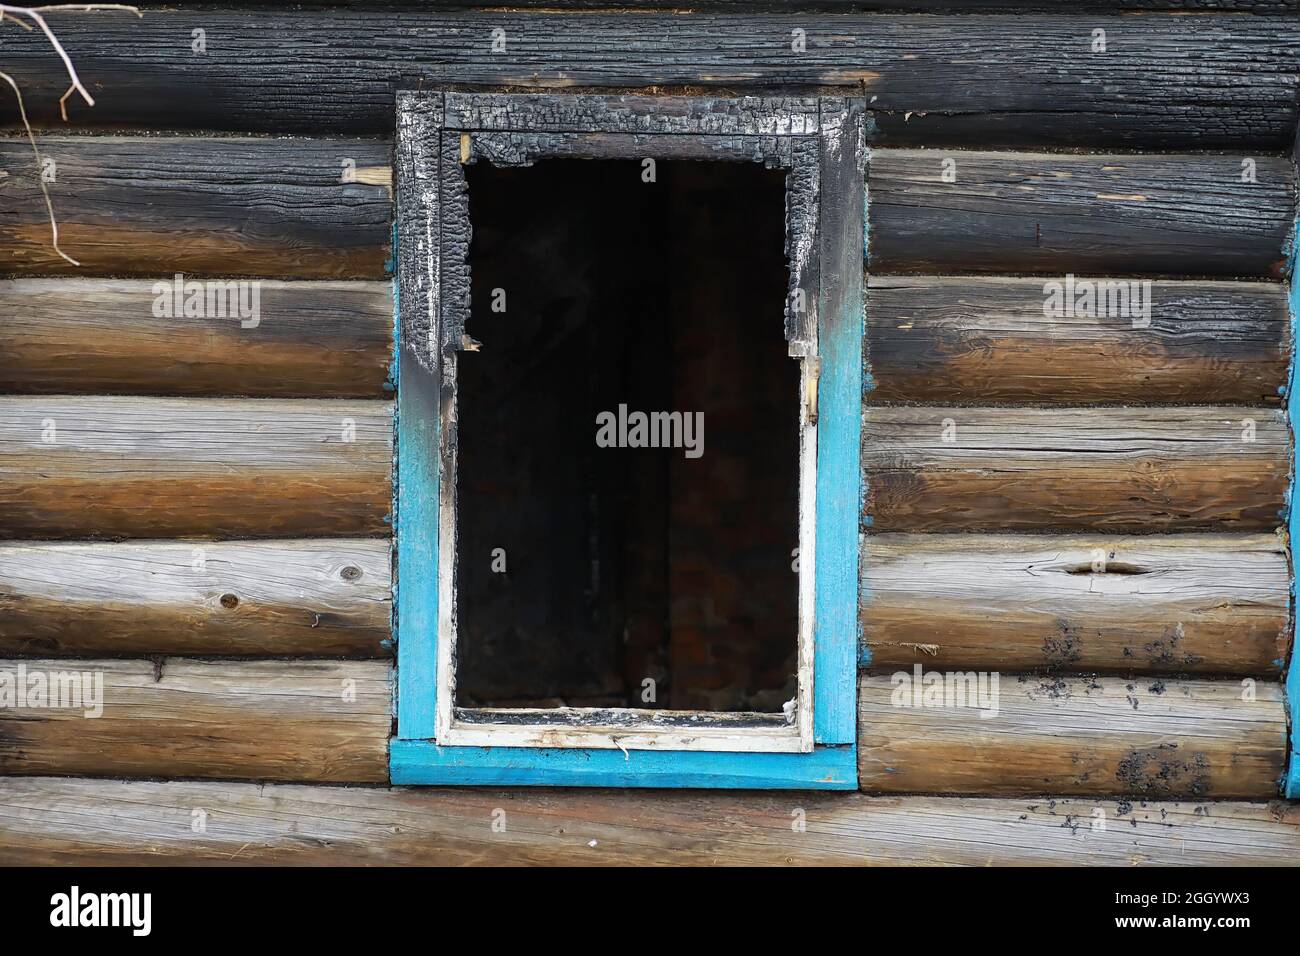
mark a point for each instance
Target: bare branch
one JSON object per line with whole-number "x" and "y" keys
{"x": 21, "y": 16}
{"x": 34, "y": 14}
{"x": 31, "y": 138}
{"x": 22, "y": 23}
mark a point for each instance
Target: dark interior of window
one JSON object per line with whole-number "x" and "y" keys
{"x": 594, "y": 571}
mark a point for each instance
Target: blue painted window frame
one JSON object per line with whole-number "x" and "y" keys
{"x": 834, "y": 126}
{"x": 1291, "y": 779}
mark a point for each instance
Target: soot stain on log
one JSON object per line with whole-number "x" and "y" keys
{"x": 1165, "y": 651}
{"x": 1053, "y": 688}
{"x": 1160, "y": 771}
{"x": 1063, "y": 648}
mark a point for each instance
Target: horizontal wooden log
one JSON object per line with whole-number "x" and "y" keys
{"x": 926, "y": 6}
{"x": 153, "y": 467}
{"x": 976, "y": 340}
{"x": 318, "y": 597}
{"x": 321, "y": 721}
{"x": 45, "y": 821}
{"x": 1205, "y": 604}
{"x": 1113, "y": 469}
{"x": 1210, "y": 81}
{"x": 223, "y": 206}
{"x": 1100, "y": 736}
{"x": 1036, "y": 212}
{"x": 295, "y": 340}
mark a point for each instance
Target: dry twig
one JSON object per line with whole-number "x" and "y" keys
{"x": 30, "y": 18}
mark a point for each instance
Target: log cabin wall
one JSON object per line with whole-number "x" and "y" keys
{"x": 1093, "y": 508}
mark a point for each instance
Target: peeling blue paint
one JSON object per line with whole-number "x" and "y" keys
{"x": 424, "y": 762}
{"x": 868, "y": 386}
{"x": 1291, "y": 785}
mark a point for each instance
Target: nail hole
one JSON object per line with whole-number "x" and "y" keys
{"x": 350, "y": 573}
{"x": 229, "y": 600}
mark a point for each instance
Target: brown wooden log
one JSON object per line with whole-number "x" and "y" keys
{"x": 213, "y": 206}
{"x": 1151, "y": 738}
{"x": 305, "y": 340}
{"x": 1081, "y": 214}
{"x": 1205, "y": 604}
{"x": 318, "y": 597}
{"x": 47, "y": 821}
{"x": 1171, "y": 82}
{"x": 151, "y": 467}
{"x": 323, "y": 721}
{"x": 925, "y": 6}
{"x": 973, "y": 340}
{"x": 1113, "y": 469}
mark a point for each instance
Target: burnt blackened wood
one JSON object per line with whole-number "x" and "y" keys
{"x": 455, "y": 233}
{"x": 517, "y": 130}
{"x": 935, "y": 211}
{"x": 689, "y": 115}
{"x": 524, "y": 149}
{"x": 1212, "y": 81}
{"x": 977, "y": 340}
{"x": 802, "y": 197}
{"x": 419, "y": 120}
{"x": 224, "y": 206}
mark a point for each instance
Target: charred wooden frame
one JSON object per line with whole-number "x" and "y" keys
{"x": 1291, "y": 781}
{"x": 820, "y": 142}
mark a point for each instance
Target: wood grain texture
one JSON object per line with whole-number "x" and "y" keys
{"x": 1205, "y": 604}
{"x": 321, "y": 721}
{"x": 271, "y": 598}
{"x": 978, "y": 340}
{"x": 151, "y": 467}
{"x": 214, "y": 206}
{"x": 1100, "y": 736}
{"x": 1096, "y": 214}
{"x": 1209, "y": 81}
{"x": 53, "y": 821}
{"x": 1112, "y": 469}
{"x": 88, "y": 336}
{"x": 928, "y": 6}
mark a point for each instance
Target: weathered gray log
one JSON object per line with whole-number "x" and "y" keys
{"x": 1149, "y": 604}
{"x": 975, "y": 340}
{"x": 322, "y": 721}
{"x": 231, "y": 598}
{"x": 154, "y": 467}
{"x": 1112, "y": 469}
{"x": 1210, "y": 81}
{"x": 926, "y": 6}
{"x": 223, "y": 206}
{"x": 1081, "y": 214}
{"x": 1100, "y": 736}
{"x": 46, "y": 821}
{"x": 303, "y": 339}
